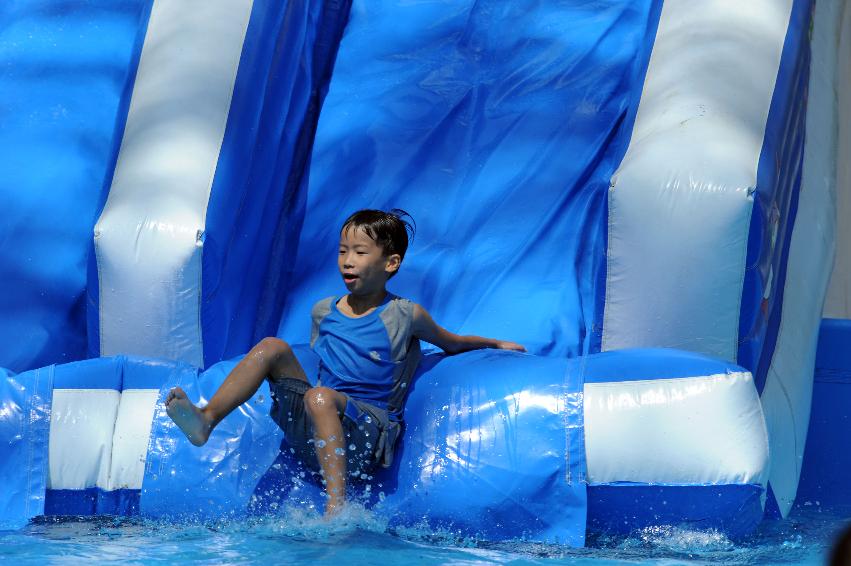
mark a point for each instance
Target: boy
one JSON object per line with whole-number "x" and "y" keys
{"x": 368, "y": 345}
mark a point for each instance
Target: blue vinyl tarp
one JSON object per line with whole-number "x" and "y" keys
{"x": 497, "y": 125}
{"x": 482, "y": 454}
{"x": 25, "y": 401}
{"x": 66, "y": 71}
{"x": 776, "y": 200}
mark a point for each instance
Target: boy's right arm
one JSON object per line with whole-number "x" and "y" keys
{"x": 425, "y": 328}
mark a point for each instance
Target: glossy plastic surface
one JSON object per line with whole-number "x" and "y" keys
{"x": 25, "y": 430}
{"x": 497, "y": 125}
{"x": 495, "y": 445}
{"x": 66, "y": 71}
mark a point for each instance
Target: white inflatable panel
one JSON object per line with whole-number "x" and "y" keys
{"x": 787, "y": 396}
{"x": 132, "y": 433}
{"x": 80, "y": 444}
{"x": 680, "y": 203}
{"x": 832, "y": 64}
{"x": 695, "y": 430}
{"x": 149, "y": 237}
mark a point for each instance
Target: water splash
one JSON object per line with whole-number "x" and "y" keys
{"x": 310, "y": 524}
{"x": 298, "y": 532}
{"x": 677, "y": 539}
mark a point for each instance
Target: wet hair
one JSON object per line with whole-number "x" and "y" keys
{"x": 387, "y": 229}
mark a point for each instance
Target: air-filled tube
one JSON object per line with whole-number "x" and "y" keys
{"x": 496, "y": 445}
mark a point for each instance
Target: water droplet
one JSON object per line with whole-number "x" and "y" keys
{"x": 339, "y": 451}
{"x": 320, "y": 443}
{"x": 260, "y": 399}
{"x": 369, "y": 445}
{"x": 352, "y": 447}
{"x": 381, "y": 495}
{"x": 367, "y": 419}
{"x": 363, "y": 476}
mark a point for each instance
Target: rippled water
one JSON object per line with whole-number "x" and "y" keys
{"x": 363, "y": 538}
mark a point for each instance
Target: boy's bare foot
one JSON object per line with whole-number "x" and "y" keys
{"x": 191, "y": 420}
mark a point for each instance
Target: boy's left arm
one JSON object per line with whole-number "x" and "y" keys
{"x": 425, "y": 328}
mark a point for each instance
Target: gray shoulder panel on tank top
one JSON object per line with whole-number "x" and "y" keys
{"x": 397, "y": 318}
{"x": 320, "y": 310}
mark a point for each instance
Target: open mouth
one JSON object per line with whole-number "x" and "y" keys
{"x": 349, "y": 277}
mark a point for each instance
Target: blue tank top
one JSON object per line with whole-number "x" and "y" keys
{"x": 370, "y": 358}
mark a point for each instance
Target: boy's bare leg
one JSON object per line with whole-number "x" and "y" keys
{"x": 271, "y": 357}
{"x": 325, "y": 407}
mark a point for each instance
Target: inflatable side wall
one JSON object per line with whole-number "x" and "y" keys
{"x": 715, "y": 164}
{"x": 66, "y": 74}
{"x": 585, "y": 180}
{"x": 680, "y": 438}
{"x": 218, "y": 133}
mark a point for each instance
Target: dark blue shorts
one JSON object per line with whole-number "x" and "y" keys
{"x": 363, "y": 425}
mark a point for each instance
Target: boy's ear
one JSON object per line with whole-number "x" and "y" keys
{"x": 393, "y": 263}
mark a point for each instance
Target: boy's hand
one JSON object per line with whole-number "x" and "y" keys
{"x": 503, "y": 345}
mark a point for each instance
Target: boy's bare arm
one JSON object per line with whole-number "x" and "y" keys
{"x": 425, "y": 328}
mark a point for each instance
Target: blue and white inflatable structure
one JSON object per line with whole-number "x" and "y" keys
{"x": 634, "y": 189}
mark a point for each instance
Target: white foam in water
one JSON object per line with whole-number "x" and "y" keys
{"x": 301, "y": 522}
{"x": 684, "y": 540}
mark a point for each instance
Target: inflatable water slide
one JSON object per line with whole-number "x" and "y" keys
{"x": 633, "y": 189}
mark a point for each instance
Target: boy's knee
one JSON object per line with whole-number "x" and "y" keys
{"x": 319, "y": 400}
{"x": 275, "y": 346}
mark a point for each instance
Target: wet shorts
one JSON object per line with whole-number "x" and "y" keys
{"x": 363, "y": 427}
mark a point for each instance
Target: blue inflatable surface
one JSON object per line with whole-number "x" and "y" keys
{"x": 66, "y": 73}
{"x": 776, "y": 201}
{"x": 483, "y": 453}
{"x": 471, "y": 115}
{"x": 24, "y": 428}
{"x": 519, "y": 450}
{"x": 499, "y": 126}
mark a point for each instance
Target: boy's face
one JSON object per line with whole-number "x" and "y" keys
{"x": 363, "y": 265}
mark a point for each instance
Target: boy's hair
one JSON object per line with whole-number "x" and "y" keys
{"x": 388, "y": 229}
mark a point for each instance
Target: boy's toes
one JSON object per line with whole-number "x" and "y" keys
{"x": 174, "y": 394}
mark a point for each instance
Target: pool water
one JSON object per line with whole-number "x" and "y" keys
{"x": 360, "y": 537}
